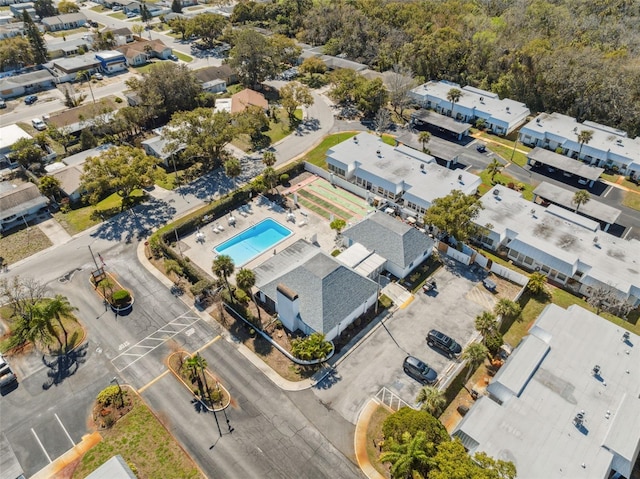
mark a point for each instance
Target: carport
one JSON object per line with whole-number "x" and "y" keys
{"x": 587, "y": 173}
{"x": 429, "y": 117}
{"x": 593, "y": 209}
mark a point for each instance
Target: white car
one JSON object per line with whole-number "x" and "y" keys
{"x": 98, "y": 76}
{"x": 38, "y": 124}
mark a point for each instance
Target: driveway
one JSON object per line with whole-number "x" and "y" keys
{"x": 377, "y": 362}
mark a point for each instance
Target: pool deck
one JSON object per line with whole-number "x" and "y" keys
{"x": 305, "y": 224}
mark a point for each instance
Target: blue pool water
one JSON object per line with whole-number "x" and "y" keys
{"x": 253, "y": 241}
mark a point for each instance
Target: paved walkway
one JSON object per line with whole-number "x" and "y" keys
{"x": 56, "y": 233}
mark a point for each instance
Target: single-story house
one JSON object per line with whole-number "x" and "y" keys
{"x": 20, "y": 204}
{"x": 64, "y": 22}
{"x": 121, "y": 36}
{"x": 114, "y": 468}
{"x": 18, "y": 8}
{"x": 566, "y": 402}
{"x": 568, "y": 248}
{"x": 216, "y": 79}
{"x": 111, "y": 61}
{"x": 8, "y": 136}
{"x": 247, "y": 97}
{"x": 68, "y": 48}
{"x": 66, "y": 69}
{"x": 139, "y": 52}
{"x": 26, "y": 83}
{"x": 408, "y": 178}
{"x": 69, "y": 178}
{"x": 156, "y": 147}
{"x": 607, "y": 148}
{"x": 403, "y": 247}
{"x": 74, "y": 120}
{"x": 501, "y": 116}
{"x": 10, "y": 30}
{"x": 312, "y": 291}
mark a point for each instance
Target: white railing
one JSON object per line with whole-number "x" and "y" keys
{"x": 391, "y": 399}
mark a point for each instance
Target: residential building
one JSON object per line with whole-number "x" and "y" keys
{"x": 568, "y": 248}
{"x": 70, "y": 181}
{"x": 18, "y": 8}
{"x": 139, "y": 52}
{"x": 408, "y": 178}
{"x": 312, "y": 291}
{"x": 501, "y": 116}
{"x": 566, "y": 404}
{"x": 247, "y": 97}
{"x": 607, "y": 148}
{"x": 74, "y": 120}
{"x": 121, "y": 36}
{"x": 10, "y": 30}
{"x": 19, "y": 204}
{"x": 8, "y": 136}
{"x": 402, "y": 246}
{"x": 156, "y": 146}
{"x": 64, "y": 22}
{"x": 215, "y": 79}
{"x": 67, "y": 69}
{"x": 331, "y": 62}
{"x": 114, "y": 468}
{"x": 69, "y": 47}
{"x": 111, "y": 61}
{"x": 26, "y": 83}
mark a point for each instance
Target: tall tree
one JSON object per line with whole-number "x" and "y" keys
{"x": 269, "y": 158}
{"x": 537, "y": 283}
{"x": 409, "y": 456}
{"x": 486, "y": 324}
{"x": 66, "y": 6}
{"x": 223, "y": 267}
{"x": 38, "y": 46}
{"x": 432, "y": 400}
{"x": 474, "y": 355}
{"x": 507, "y": 308}
{"x": 454, "y": 214}
{"x": 145, "y": 14}
{"x": 494, "y": 168}
{"x": 424, "y": 137}
{"x": 400, "y": 83}
{"x": 207, "y": 26}
{"x": 44, "y": 8}
{"x": 202, "y": 132}
{"x": 49, "y": 186}
{"x": 580, "y": 198}
{"x": 292, "y": 96}
{"x": 252, "y": 56}
{"x": 166, "y": 88}
{"x": 452, "y": 462}
{"x": 453, "y": 95}
{"x": 120, "y": 169}
{"x": 27, "y": 152}
{"x": 58, "y": 308}
{"x": 233, "y": 169}
{"x": 371, "y": 95}
{"x": 270, "y": 176}
{"x": 584, "y": 137}
{"x": 15, "y": 52}
{"x": 197, "y": 366}
{"x": 176, "y": 6}
{"x": 246, "y": 280}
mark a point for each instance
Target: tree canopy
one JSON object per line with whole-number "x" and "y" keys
{"x": 119, "y": 169}
{"x": 454, "y": 214}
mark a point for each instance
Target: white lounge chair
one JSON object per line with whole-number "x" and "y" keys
{"x": 220, "y": 227}
{"x": 215, "y": 230}
{"x": 243, "y": 213}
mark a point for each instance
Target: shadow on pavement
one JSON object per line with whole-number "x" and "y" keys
{"x": 64, "y": 366}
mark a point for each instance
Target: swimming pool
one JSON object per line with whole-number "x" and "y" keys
{"x": 253, "y": 241}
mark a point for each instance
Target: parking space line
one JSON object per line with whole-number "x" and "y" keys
{"x": 624, "y": 237}
{"x": 65, "y": 430}
{"x": 608, "y": 190}
{"x": 41, "y": 446}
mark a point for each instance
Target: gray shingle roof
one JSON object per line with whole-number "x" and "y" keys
{"x": 20, "y": 199}
{"x": 328, "y": 291}
{"x": 397, "y": 242}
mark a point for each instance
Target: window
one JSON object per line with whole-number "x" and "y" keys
{"x": 561, "y": 277}
{"x": 528, "y": 260}
{"x": 545, "y": 269}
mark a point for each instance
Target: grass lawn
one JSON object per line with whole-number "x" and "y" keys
{"x": 277, "y": 131}
{"x": 182, "y": 56}
{"x": 144, "y": 443}
{"x": 503, "y": 179}
{"x": 144, "y": 68}
{"x": 66, "y": 33}
{"x": 233, "y": 89}
{"x": 80, "y": 219}
{"x": 118, "y": 15}
{"x": 506, "y": 152}
{"x": 389, "y": 140}
{"x": 318, "y": 155}
{"x": 623, "y": 182}
{"x": 22, "y": 244}
{"x": 375, "y": 436}
{"x": 631, "y": 200}
{"x": 100, "y": 8}
{"x": 168, "y": 182}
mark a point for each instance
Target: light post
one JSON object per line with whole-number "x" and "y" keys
{"x": 119, "y": 390}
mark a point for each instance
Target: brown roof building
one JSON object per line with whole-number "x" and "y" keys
{"x": 246, "y": 98}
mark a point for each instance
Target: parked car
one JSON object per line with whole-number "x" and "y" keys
{"x": 31, "y": 99}
{"x": 419, "y": 371}
{"x": 7, "y": 377}
{"x": 439, "y": 340}
{"x": 3, "y": 104}
{"x": 173, "y": 57}
{"x": 38, "y": 124}
{"x": 481, "y": 148}
{"x": 116, "y": 8}
{"x": 98, "y": 76}
{"x": 131, "y": 14}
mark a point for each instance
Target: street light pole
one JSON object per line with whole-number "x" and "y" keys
{"x": 119, "y": 390}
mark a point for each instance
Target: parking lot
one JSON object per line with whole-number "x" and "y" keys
{"x": 377, "y": 361}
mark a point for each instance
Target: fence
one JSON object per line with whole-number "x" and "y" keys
{"x": 391, "y": 399}
{"x": 509, "y": 274}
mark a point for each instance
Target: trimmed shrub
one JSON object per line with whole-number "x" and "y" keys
{"x": 284, "y": 178}
{"x": 201, "y": 286}
{"x": 409, "y": 420}
{"x": 122, "y": 296}
{"x": 108, "y": 396}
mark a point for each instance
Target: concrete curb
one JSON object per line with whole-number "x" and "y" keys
{"x": 360, "y": 440}
{"x": 69, "y": 457}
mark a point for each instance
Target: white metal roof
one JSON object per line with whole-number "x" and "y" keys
{"x": 9, "y": 135}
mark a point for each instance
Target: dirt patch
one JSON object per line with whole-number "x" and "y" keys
{"x": 505, "y": 288}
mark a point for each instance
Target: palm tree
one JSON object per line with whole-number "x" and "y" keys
{"x": 81, "y": 76}
{"x": 223, "y": 267}
{"x": 233, "y": 169}
{"x": 172, "y": 266}
{"x": 424, "y": 137}
{"x": 507, "y": 308}
{"x": 246, "y": 280}
{"x": 454, "y": 97}
{"x": 584, "y": 136}
{"x": 580, "y": 198}
{"x": 537, "y": 282}
{"x": 270, "y": 176}
{"x": 433, "y": 400}
{"x": 494, "y": 168}
{"x": 196, "y": 366}
{"x": 474, "y": 355}
{"x": 39, "y": 327}
{"x": 269, "y": 158}
{"x": 57, "y": 308}
{"x": 486, "y": 324}
{"x": 409, "y": 455}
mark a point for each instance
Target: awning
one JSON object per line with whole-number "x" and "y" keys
{"x": 411, "y": 220}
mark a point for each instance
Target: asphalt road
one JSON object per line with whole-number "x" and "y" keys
{"x": 270, "y": 437}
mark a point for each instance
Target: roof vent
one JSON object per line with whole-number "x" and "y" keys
{"x": 619, "y": 141}
{"x": 625, "y": 336}
{"x": 575, "y": 129}
{"x": 355, "y": 139}
{"x": 508, "y": 109}
{"x": 378, "y": 153}
{"x": 496, "y": 192}
{"x": 538, "y": 121}
{"x": 578, "y": 420}
{"x": 533, "y": 212}
{"x": 422, "y": 166}
{"x": 595, "y": 240}
{"x": 459, "y": 177}
{"x": 481, "y": 99}
{"x": 596, "y": 370}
